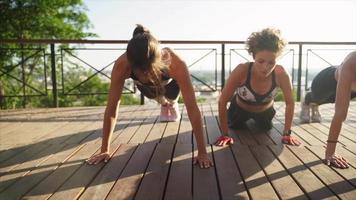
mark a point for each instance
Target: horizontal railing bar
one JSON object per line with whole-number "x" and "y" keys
{"x": 47, "y": 41}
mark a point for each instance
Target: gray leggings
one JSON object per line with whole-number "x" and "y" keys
{"x": 323, "y": 88}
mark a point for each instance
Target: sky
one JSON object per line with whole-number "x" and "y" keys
{"x": 298, "y": 20}
{"x": 227, "y": 20}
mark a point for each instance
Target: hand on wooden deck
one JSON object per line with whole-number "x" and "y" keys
{"x": 224, "y": 140}
{"x": 336, "y": 161}
{"x": 203, "y": 161}
{"x": 290, "y": 140}
{"x": 98, "y": 158}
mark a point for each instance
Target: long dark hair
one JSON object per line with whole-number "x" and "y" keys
{"x": 144, "y": 53}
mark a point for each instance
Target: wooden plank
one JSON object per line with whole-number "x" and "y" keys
{"x": 261, "y": 137}
{"x": 230, "y": 181}
{"x": 69, "y": 143}
{"x": 336, "y": 183}
{"x": 301, "y": 134}
{"x": 211, "y": 124}
{"x": 65, "y": 133}
{"x": 128, "y": 182}
{"x": 245, "y": 136}
{"x": 134, "y": 125}
{"x": 76, "y": 184}
{"x": 284, "y": 184}
{"x": 205, "y": 184}
{"x": 9, "y": 177}
{"x": 154, "y": 180}
{"x": 11, "y": 127}
{"x": 51, "y": 183}
{"x": 12, "y": 163}
{"x": 308, "y": 182}
{"x": 156, "y": 132}
{"x": 179, "y": 185}
{"x": 31, "y": 179}
{"x": 348, "y": 174}
{"x": 258, "y": 185}
{"x": 185, "y": 135}
{"x": 342, "y": 138}
{"x": 29, "y": 133}
{"x": 170, "y": 133}
{"x": 142, "y": 132}
{"x": 106, "y": 178}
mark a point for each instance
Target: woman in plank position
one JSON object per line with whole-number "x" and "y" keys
{"x": 335, "y": 84}
{"x": 159, "y": 74}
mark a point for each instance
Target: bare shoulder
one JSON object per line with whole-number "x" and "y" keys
{"x": 240, "y": 70}
{"x": 350, "y": 62}
{"x": 122, "y": 67}
{"x": 174, "y": 62}
{"x": 282, "y": 76}
{"x": 280, "y": 71}
{"x": 238, "y": 76}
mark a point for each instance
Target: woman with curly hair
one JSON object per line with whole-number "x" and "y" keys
{"x": 253, "y": 86}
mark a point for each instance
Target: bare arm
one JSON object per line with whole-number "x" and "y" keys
{"x": 342, "y": 102}
{"x": 231, "y": 84}
{"x": 112, "y": 107}
{"x": 287, "y": 89}
{"x": 118, "y": 76}
{"x": 179, "y": 71}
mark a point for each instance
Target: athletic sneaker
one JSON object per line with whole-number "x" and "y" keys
{"x": 316, "y": 117}
{"x": 305, "y": 113}
{"x": 174, "y": 112}
{"x": 164, "y": 116}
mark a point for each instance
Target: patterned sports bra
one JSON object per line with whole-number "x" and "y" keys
{"x": 246, "y": 94}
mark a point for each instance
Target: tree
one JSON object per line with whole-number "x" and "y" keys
{"x": 38, "y": 19}
{"x": 35, "y": 19}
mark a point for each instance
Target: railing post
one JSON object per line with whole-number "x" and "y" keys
{"x": 23, "y": 77}
{"x": 142, "y": 99}
{"x": 222, "y": 65}
{"x": 299, "y": 72}
{"x": 54, "y": 78}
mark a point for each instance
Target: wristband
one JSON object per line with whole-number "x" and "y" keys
{"x": 287, "y": 133}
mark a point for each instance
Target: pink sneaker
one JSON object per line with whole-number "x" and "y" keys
{"x": 164, "y": 116}
{"x": 174, "y": 112}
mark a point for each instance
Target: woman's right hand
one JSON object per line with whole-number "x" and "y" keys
{"x": 336, "y": 161}
{"x": 95, "y": 159}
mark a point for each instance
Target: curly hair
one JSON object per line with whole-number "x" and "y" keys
{"x": 268, "y": 39}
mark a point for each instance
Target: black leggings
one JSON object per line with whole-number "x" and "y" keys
{"x": 237, "y": 117}
{"x": 171, "y": 91}
{"x": 323, "y": 88}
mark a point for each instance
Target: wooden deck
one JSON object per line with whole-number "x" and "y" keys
{"x": 42, "y": 154}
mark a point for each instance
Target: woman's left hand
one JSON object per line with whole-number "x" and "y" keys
{"x": 291, "y": 140}
{"x": 203, "y": 161}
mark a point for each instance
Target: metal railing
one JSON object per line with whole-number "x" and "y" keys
{"x": 297, "y": 59}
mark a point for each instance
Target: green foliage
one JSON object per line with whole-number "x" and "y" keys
{"x": 280, "y": 97}
{"x": 199, "y": 99}
{"x": 44, "y": 19}
{"x": 129, "y": 99}
{"x": 49, "y": 19}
